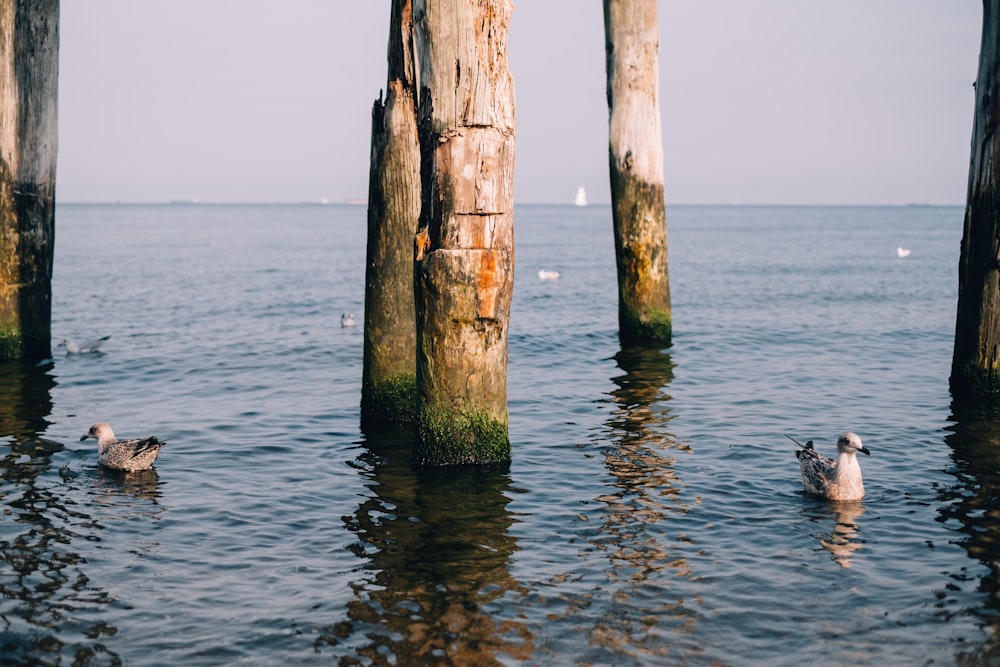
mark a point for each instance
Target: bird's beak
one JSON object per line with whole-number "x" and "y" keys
{"x": 864, "y": 450}
{"x": 84, "y": 437}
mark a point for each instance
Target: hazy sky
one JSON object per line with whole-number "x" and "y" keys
{"x": 763, "y": 101}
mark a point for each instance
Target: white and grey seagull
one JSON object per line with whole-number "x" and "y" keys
{"x": 87, "y": 346}
{"x": 834, "y": 479}
{"x": 126, "y": 455}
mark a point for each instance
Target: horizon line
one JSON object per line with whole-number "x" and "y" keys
{"x": 363, "y": 204}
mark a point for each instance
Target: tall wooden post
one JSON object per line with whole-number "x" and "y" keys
{"x": 29, "y": 71}
{"x": 465, "y": 245}
{"x": 975, "y": 366}
{"x": 389, "y": 381}
{"x": 631, "y": 31}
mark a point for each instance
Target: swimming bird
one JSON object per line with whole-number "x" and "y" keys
{"x": 834, "y": 479}
{"x": 902, "y": 252}
{"x": 547, "y": 275}
{"x": 347, "y": 320}
{"x": 72, "y": 347}
{"x": 127, "y": 455}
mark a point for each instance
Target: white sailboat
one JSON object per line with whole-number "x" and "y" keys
{"x": 581, "y": 197}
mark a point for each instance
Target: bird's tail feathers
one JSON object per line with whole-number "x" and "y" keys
{"x": 808, "y": 445}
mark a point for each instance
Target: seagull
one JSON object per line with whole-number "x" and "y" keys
{"x": 347, "y": 320}
{"x": 72, "y": 347}
{"x": 902, "y": 252}
{"x": 547, "y": 275}
{"x": 126, "y": 455}
{"x": 838, "y": 479}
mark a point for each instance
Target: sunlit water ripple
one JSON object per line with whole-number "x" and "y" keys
{"x": 652, "y": 513}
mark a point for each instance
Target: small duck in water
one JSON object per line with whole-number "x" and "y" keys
{"x": 127, "y": 455}
{"x": 834, "y": 479}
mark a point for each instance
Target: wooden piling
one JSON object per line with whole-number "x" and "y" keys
{"x": 29, "y": 58}
{"x": 635, "y": 146}
{"x": 465, "y": 244}
{"x": 389, "y": 382}
{"x": 976, "y": 362}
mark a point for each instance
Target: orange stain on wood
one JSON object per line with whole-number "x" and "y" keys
{"x": 423, "y": 244}
{"x": 488, "y": 283}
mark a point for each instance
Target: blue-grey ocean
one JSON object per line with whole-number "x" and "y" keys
{"x": 652, "y": 513}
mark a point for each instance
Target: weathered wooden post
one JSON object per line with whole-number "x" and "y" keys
{"x": 631, "y": 39}
{"x": 975, "y": 368}
{"x": 389, "y": 381}
{"x": 465, "y": 245}
{"x": 29, "y": 58}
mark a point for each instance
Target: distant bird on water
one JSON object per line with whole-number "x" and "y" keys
{"x": 834, "y": 479}
{"x": 347, "y": 320}
{"x": 72, "y": 347}
{"x": 547, "y": 275}
{"x": 902, "y": 252}
{"x": 127, "y": 455}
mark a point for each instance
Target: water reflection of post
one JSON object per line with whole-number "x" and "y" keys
{"x": 25, "y": 404}
{"x": 973, "y": 503}
{"x": 437, "y": 547}
{"x": 42, "y": 584}
{"x": 645, "y": 494}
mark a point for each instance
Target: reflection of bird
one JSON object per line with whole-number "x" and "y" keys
{"x": 547, "y": 275}
{"x": 845, "y": 541}
{"x": 347, "y": 320}
{"x": 128, "y": 455}
{"x": 72, "y": 347}
{"x": 903, "y": 252}
{"x": 838, "y": 479}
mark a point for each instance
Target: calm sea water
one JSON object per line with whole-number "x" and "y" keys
{"x": 652, "y": 513}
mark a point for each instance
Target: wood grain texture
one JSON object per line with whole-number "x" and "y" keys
{"x": 465, "y": 245}
{"x": 976, "y": 360}
{"x": 388, "y": 389}
{"x": 635, "y": 157}
{"x": 29, "y": 70}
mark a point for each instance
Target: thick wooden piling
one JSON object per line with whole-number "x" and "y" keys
{"x": 465, "y": 244}
{"x": 389, "y": 381}
{"x": 975, "y": 366}
{"x": 635, "y": 147}
{"x": 29, "y": 58}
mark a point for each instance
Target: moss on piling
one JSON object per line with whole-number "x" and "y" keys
{"x": 654, "y": 327}
{"x": 459, "y": 437}
{"x": 11, "y": 343}
{"x": 391, "y": 400}
{"x": 974, "y": 381}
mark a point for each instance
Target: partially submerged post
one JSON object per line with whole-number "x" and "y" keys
{"x": 635, "y": 146}
{"x": 29, "y": 58}
{"x": 975, "y": 366}
{"x": 465, "y": 246}
{"x": 389, "y": 383}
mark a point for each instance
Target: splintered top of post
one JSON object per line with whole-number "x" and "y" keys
{"x": 462, "y": 74}
{"x": 29, "y": 73}
{"x": 632, "y": 38}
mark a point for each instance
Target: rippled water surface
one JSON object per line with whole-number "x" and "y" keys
{"x": 652, "y": 513}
